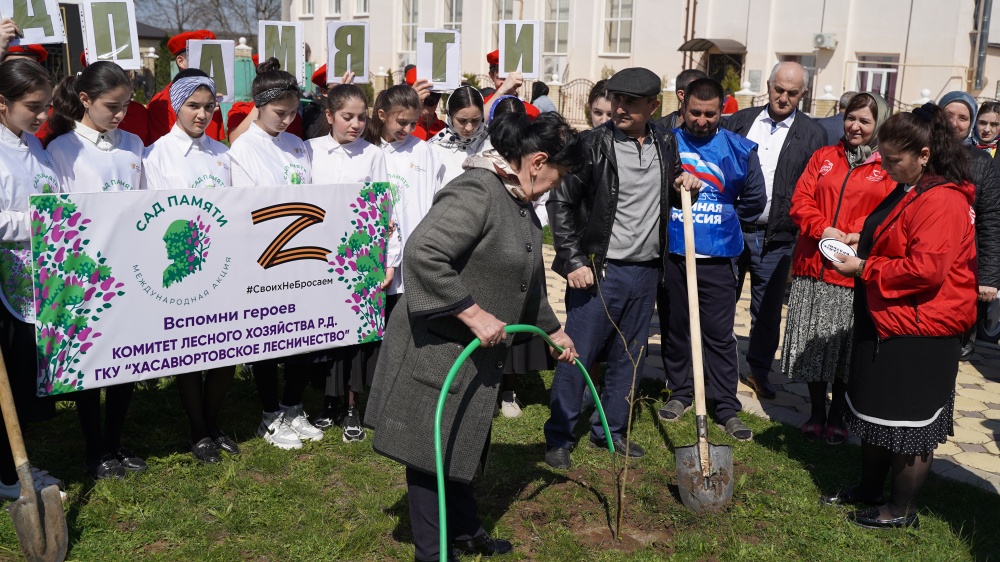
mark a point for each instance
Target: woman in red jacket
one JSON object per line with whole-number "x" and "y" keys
{"x": 915, "y": 297}
{"x": 840, "y": 186}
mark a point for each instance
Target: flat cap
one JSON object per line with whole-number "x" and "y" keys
{"x": 634, "y": 82}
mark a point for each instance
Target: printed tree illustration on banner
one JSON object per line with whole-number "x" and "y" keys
{"x": 360, "y": 259}
{"x": 73, "y": 289}
{"x": 187, "y": 244}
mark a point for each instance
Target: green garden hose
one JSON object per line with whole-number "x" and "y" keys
{"x": 438, "y": 453}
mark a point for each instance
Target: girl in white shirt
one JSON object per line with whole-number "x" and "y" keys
{"x": 25, "y": 169}
{"x": 414, "y": 171}
{"x": 88, "y": 150}
{"x": 465, "y": 134}
{"x": 89, "y": 153}
{"x": 268, "y": 156}
{"x": 188, "y": 158}
{"x": 343, "y": 156}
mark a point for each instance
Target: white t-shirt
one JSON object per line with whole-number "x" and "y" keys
{"x": 86, "y": 160}
{"x": 25, "y": 169}
{"x": 177, "y": 161}
{"x": 415, "y": 174}
{"x": 258, "y": 159}
{"x": 358, "y": 161}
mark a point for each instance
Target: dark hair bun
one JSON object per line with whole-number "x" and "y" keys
{"x": 269, "y": 65}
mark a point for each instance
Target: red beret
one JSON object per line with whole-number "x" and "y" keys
{"x": 36, "y": 51}
{"x": 256, "y": 60}
{"x": 319, "y": 77}
{"x": 411, "y": 76}
{"x": 493, "y": 58}
{"x": 83, "y": 59}
{"x": 178, "y": 43}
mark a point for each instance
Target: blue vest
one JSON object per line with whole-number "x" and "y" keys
{"x": 721, "y": 162}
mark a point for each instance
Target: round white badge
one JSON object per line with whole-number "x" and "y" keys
{"x": 830, "y": 247}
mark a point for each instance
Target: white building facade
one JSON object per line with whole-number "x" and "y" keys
{"x": 896, "y": 47}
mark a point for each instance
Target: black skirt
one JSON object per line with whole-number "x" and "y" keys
{"x": 17, "y": 343}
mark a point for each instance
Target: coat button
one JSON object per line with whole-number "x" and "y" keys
{"x": 527, "y": 247}
{"x": 524, "y": 213}
{"x": 524, "y": 287}
{"x": 499, "y": 364}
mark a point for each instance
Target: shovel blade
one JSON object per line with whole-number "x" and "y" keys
{"x": 701, "y": 494}
{"x": 40, "y": 524}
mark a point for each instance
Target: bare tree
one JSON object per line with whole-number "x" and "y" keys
{"x": 175, "y": 16}
{"x": 240, "y": 17}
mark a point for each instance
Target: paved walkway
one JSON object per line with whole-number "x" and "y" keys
{"x": 972, "y": 455}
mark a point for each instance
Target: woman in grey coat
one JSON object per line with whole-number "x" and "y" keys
{"x": 473, "y": 265}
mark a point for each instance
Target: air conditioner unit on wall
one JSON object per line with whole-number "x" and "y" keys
{"x": 825, "y": 41}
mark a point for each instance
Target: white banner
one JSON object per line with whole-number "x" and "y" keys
{"x": 286, "y": 42}
{"x": 110, "y": 32}
{"x": 39, "y": 20}
{"x": 439, "y": 57}
{"x": 218, "y": 60}
{"x": 520, "y": 48}
{"x": 136, "y": 285}
{"x": 347, "y": 48}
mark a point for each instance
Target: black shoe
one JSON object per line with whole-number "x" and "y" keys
{"x": 333, "y": 414}
{"x": 129, "y": 461}
{"x": 206, "y": 451}
{"x": 225, "y": 443}
{"x": 558, "y": 457}
{"x": 483, "y": 545}
{"x": 869, "y": 519}
{"x": 106, "y": 467}
{"x": 761, "y": 386}
{"x": 850, "y": 496}
{"x": 634, "y": 450}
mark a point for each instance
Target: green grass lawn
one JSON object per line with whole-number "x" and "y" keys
{"x": 332, "y": 501}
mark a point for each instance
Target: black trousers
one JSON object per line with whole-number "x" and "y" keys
{"x": 768, "y": 264}
{"x": 463, "y": 513}
{"x": 717, "y": 308}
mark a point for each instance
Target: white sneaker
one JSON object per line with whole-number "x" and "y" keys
{"x": 42, "y": 479}
{"x": 275, "y": 430}
{"x": 299, "y": 422}
{"x": 509, "y": 406}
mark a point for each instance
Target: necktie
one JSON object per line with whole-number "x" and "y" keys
{"x": 774, "y": 127}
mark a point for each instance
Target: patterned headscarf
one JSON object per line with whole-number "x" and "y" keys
{"x": 451, "y": 139}
{"x": 181, "y": 90}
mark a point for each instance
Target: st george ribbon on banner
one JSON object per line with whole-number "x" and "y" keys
{"x": 137, "y": 285}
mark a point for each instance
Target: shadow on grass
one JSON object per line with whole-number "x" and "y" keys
{"x": 970, "y": 514}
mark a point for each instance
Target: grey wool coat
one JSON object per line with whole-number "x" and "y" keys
{"x": 476, "y": 242}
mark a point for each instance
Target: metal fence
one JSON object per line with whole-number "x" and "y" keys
{"x": 573, "y": 101}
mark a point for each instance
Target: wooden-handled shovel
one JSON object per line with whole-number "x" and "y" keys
{"x": 39, "y": 519}
{"x": 704, "y": 470}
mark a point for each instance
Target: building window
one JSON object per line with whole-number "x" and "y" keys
{"x": 333, "y": 8}
{"x": 362, "y": 8}
{"x": 408, "y": 40}
{"x": 809, "y": 63}
{"x": 453, "y": 14}
{"x": 502, "y": 10}
{"x": 618, "y": 27}
{"x": 556, "y": 26}
{"x": 307, "y": 7}
{"x": 878, "y": 73}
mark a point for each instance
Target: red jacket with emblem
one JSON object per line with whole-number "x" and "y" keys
{"x": 830, "y": 193}
{"x": 920, "y": 276}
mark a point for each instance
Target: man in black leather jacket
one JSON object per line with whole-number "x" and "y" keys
{"x": 609, "y": 223}
{"x": 786, "y": 139}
